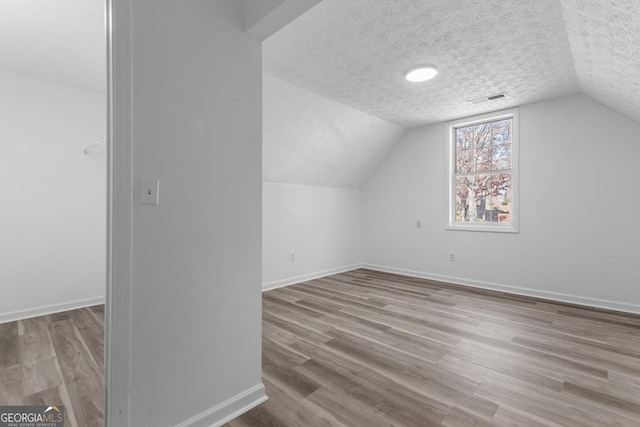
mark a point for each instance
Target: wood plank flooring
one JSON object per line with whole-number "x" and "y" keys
{"x": 56, "y": 359}
{"x": 366, "y": 348}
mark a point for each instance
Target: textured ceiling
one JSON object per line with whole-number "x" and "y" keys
{"x": 311, "y": 140}
{"x": 355, "y": 52}
{"x": 61, "y": 41}
{"x": 605, "y": 41}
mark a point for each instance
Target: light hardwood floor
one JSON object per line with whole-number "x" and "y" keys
{"x": 372, "y": 349}
{"x": 56, "y": 359}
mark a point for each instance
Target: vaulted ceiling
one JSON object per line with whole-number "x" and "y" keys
{"x": 355, "y": 52}
{"x": 605, "y": 42}
{"x": 311, "y": 140}
{"x": 61, "y": 41}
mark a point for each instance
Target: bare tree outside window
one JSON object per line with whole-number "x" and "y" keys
{"x": 483, "y": 172}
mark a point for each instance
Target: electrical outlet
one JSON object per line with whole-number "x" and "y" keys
{"x": 452, "y": 256}
{"x": 418, "y": 224}
{"x": 292, "y": 257}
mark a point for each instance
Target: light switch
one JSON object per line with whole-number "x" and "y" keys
{"x": 149, "y": 189}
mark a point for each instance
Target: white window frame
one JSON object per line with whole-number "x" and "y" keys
{"x": 450, "y": 171}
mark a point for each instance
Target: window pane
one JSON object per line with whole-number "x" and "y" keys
{"x": 464, "y": 138}
{"x": 484, "y": 159}
{"x": 464, "y": 161}
{"x": 479, "y": 194}
{"x": 482, "y": 136}
{"x": 501, "y": 132}
{"x": 483, "y": 198}
{"x": 502, "y": 191}
{"x": 473, "y": 196}
{"x": 462, "y": 194}
{"x": 501, "y": 157}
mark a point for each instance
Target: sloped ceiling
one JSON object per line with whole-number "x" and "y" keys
{"x": 355, "y": 52}
{"x": 605, "y": 41}
{"x": 60, "y": 41}
{"x": 311, "y": 140}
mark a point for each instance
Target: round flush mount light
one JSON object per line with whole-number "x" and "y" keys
{"x": 421, "y": 73}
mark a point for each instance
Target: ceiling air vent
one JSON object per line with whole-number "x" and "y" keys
{"x": 487, "y": 98}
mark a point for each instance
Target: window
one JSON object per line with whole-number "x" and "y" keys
{"x": 482, "y": 173}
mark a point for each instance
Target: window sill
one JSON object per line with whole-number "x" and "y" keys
{"x": 483, "y": 228}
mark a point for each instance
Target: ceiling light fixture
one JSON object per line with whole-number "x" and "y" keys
{"x": 421, "y": 73}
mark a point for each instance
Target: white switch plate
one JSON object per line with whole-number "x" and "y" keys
{"x": 149, "y": 189}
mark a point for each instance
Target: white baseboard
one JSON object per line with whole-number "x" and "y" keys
{"x": 536, "y": 293}
{"x": 229, "y": 409}
{"x": 49, "y": 309}
{"x": 303, "y": 278}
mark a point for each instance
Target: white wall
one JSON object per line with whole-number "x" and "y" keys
{"x": 578, "y": 207}
{"x": 321, "y": 225}
{"x": 196, "y": 257}
{"x": 52, "y": 197}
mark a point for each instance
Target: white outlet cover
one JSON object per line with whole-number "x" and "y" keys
{"x": 149, "y": 189}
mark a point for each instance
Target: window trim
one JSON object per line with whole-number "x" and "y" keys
{"x": 450, "y": 223}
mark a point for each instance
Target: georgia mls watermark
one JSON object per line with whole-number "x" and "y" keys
{"x": 31, "y": 416}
